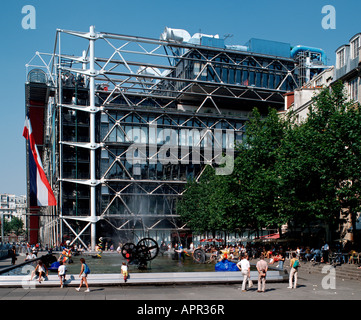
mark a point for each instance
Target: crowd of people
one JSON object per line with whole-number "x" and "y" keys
{"x": 275, "y": 252}
{"x": 265, "y": 254}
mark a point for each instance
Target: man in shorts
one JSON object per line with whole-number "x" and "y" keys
{"x": 61, "y": 273}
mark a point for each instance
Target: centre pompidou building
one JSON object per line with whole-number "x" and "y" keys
{"x": 123, "y": 123}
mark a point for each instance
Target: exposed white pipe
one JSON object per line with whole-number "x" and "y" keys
{"x": 92, "y": 135}
{"x": 60, "y": 111}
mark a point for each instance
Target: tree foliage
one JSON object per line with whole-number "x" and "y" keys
{"x": 256, "y": 175}
{"x": 15, "y": 225}
{"x": 285, "y": 171}
{"x": 206, "y": 204}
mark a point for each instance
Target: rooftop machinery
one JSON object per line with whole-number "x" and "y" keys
{"x": 126, "y": 121}
{"x": 310, "y": 60}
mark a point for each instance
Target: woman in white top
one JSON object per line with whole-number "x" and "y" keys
{"x": 40, "y": 270}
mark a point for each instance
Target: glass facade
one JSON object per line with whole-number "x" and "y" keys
{"x": 234, "y": 69}
{"x": 161, "y": 175}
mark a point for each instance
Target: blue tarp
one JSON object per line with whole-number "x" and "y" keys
{"x": 54, "y": 266}
{"x": 226, "y": 265}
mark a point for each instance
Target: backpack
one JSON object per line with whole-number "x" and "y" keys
{"x": 296, "y": 264}
{"x": 86, "y": 269}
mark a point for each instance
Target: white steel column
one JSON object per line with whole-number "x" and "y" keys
{"x": 60, "y": 115}
{"x": 92, "y": 73}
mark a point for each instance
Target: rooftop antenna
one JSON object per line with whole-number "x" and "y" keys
{"x": 228, "y": 35}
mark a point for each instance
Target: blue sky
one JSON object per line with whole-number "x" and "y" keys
{"x": 295, "y": 22}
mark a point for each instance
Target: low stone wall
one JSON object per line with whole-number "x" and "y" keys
{"x": 4, "y": 254}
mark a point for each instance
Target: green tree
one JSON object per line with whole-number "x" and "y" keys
{"x": 205, "y": 204}
{"x": 256, "y": 178}
{"x": 7, "y": 227}
{"x": 322, "y": 161}
{"x": 17, "y": 226}
{"x": 335, "y": 123}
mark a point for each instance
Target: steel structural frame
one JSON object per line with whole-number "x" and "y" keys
{"x": 136, "y": 84}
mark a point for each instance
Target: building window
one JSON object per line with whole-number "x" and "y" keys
{"x": 355, "y": 45}
{"x": 341, "y": 58}
{"x": 354, "y": 89}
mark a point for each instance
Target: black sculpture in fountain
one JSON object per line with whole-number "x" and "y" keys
{"x": 146, "y": 250}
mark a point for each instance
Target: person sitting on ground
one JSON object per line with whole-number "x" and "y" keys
{"x": 308, "y": 254}
{"x": 275, "y": 258}
{"x": 214, "y": 254}
{"x": 40, "y": 271}
{"x": 352, "y": 255}
{"x": 317, "y": 255}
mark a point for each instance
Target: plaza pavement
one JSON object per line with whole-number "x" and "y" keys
{"x": 311, "y": 286}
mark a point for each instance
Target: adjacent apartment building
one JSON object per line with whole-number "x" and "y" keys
{"x": 12, "y": 206}
{"x": 347, "y": 69}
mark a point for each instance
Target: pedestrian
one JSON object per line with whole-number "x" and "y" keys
{"x": 262, "y": 268}
{"x": 250, "y": 282}
{"x": 13, "y": 255}
{"x": 281, "y": 259}
{"x": 62, "y": 273}
{"x": 84, "y": 271}
{"x": 40, "y": 271}
{"x": 294, "y": 264}
{"x": 245, "y": 267}
{"x": 325, "y": 252}
{"x": 124, "y": 270}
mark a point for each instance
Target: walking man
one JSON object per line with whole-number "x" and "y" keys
{"x": 245, "y": 268}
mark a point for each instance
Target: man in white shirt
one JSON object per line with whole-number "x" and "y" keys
{"x": 245, "y": 268}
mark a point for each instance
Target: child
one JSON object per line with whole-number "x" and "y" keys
{"x": 61, "y": 273}
{"x": 83, "y": 275}
{"x": 125, "y": 271}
